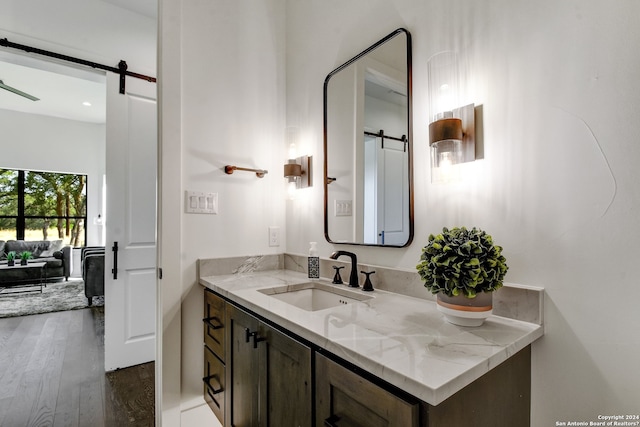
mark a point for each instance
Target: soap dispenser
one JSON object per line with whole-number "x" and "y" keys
{"x": 313, "y": 262}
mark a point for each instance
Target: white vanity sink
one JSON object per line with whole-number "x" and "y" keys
{"x": 313, "y": 296}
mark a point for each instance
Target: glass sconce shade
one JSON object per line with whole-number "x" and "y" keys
{"x": 293, "y": 175}
{"x": 445, "y": 142}
{"x": 443, "y": 85}
{"x": 451, "y": 126}
{"x": 445, "y": 126}
{"x": 444, "y": 155}
{"x": 297, "y": 172}
{"x": 292, "y": 186}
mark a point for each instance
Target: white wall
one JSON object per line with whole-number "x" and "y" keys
{"x": 230, "y": 85}
{"x": 558, "y": 186}
{"x": 94, "y": 30}
{"x": 33, "y": 142}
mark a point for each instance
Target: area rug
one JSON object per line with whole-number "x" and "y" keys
{"x": 57, "y": 296}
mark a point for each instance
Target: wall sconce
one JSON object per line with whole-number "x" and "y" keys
{"x": 451, "y": 128}
{"x": 297, "y": 170}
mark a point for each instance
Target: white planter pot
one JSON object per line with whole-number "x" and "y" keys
{"x": 464, "y": 311}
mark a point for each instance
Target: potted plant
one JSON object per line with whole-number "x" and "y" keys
{"x": 11, "y": 258}
{"x": 24, "y": 256}
{"x": 463, "y": 267}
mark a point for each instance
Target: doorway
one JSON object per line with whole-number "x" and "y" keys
{"x": 57, "y": 133}
{"x": 78, "y": 141}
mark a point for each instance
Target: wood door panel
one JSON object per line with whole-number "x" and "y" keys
{"x": 244, "y": 372}
{"x": 214, "y": 384}
{"x": 345, "y": 407}
{"x": 499, "y": 398}
{"x": 214, "y": 318}
{"x": 354, "y": 401}
{"x": 285, "y": 380}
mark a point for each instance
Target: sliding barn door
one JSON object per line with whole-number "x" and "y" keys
{"x": 131, "y": 165}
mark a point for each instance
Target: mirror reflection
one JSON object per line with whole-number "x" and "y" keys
{"x": 367, "y": 142}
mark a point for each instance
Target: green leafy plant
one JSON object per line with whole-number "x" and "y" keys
{"x": 11, "y": 255}
{"x": 25, "y": 255}
{"x": 460, "y": 261}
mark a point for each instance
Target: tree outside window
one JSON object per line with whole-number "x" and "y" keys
{"x": 43, "y": 206}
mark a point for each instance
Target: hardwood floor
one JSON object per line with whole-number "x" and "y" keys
{"x": 52, "y": 374}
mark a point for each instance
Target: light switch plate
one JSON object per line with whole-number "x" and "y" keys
{"x": 201, "y": 202}
{"x": 343, "y": 208}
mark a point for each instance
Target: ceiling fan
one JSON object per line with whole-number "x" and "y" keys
{"x": 18, "y": 92}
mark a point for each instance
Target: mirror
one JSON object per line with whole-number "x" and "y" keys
{"x": 368, "y": 195}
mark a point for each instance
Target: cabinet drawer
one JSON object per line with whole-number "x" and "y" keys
{"x": 214, "y": 315}
{"x": 344, "y": 398}
{"x": 214, "y": 384}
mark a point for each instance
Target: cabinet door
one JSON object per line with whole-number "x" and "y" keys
{"x": 345, "y": 399}
{"x": 214, "y": 314}
{"x": 285, "y": 381}
{"x": 499, "y": 398}
{"x": 214, "y": 383}
{"x": 243, "y": 370}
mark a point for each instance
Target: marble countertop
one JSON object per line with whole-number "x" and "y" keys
{"x": 402, "y": 340}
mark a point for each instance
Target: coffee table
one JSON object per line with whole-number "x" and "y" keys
{"x": 8, "y": 288}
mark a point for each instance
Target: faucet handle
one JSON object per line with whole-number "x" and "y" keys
{"x": 368, "y": 286}
{"x": 336, "y": 278}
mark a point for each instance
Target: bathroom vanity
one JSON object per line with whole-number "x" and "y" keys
{"x": 385, "y": 360}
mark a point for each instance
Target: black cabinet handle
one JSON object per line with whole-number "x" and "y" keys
{"x": 207, "y": 381}
{"x": 114, "y": 270}
{"x": 256, "y": 339}
{"x": 209, "y": 322}
{"x": 211, "y": 390}
{"x": 331, "y": 421}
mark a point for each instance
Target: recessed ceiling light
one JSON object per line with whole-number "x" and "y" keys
{"x": 86, "y": 104}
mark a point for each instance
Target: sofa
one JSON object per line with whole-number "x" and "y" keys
{"x": 58, "y": 259}
{"x": 92, "y": 260}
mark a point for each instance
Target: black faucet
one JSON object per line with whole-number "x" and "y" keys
{"x": 353, "y": 276}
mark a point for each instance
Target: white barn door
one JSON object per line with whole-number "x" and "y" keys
{"x": 131, "y": 169}
{"x": 393, "y": 191}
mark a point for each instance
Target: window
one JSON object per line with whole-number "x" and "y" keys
{"x": 43, "y": 206}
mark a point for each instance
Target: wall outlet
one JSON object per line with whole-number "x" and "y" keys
{"x": 274, "y": 235}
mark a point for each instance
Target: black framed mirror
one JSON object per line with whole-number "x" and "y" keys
{"x": 368, "y": 188}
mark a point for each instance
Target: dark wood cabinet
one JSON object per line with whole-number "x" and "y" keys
{"x": 285, "y": 379}
{"x": 344, "y": 398}
{"x": 244, "y": 394}
{"x": 270, "y": 375}
{"x": 499, "y": 398}
{"x": 259, "y": 375}
{"x": 214, "y": 317}
{"x": 215, "y": 374}
{"x": 214, "y": 383}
